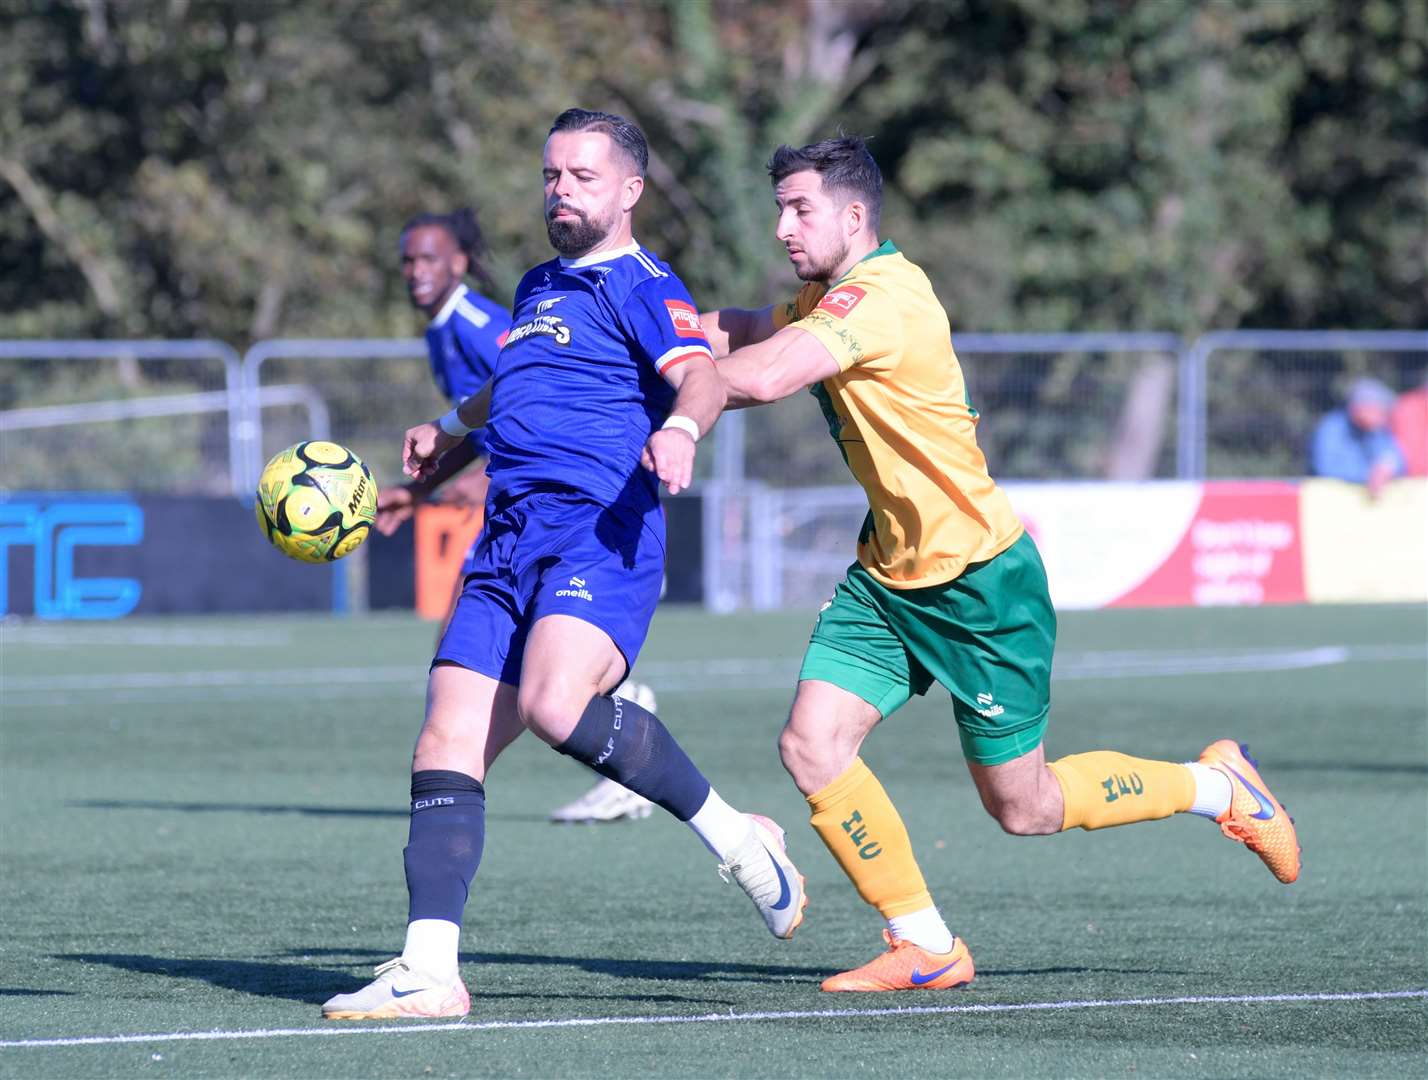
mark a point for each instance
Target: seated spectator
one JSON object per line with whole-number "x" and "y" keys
{"x": 1354, "y": 443}
{"x": 1409, "y": 424}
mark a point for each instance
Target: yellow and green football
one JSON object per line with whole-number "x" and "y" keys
{"x": 316, "y": 501}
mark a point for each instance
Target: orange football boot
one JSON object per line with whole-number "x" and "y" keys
{"x": 1255, "y": 817}
{"x": 906, "y": 966}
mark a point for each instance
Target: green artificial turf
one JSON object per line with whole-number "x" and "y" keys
{"x": 203, "y": 821}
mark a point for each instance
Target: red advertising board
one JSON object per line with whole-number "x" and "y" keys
{"x": 1241, "y": 547}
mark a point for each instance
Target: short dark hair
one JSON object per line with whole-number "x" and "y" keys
{"x": 625, "y": 134}
{"x": 461, "y": 225}
{"x": 845, "y": 166}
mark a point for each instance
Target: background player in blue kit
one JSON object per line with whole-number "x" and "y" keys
{"x": 603, "y": 388}
{"x": 463, "y": 338}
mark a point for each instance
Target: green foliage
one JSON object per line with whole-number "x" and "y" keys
{"x": 1145, "y": 166}
{"x": 241, "y": 170}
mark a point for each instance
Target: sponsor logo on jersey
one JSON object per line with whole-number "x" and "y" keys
{"x": 685, "y": 319}
{"x": 546, "y": 305}
{"x": 842, "y": 300}
{"x": 551, "y": 325}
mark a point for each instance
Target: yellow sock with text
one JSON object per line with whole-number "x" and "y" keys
{"x": 856, "y": 819}
{"x": 1105, "y": 788}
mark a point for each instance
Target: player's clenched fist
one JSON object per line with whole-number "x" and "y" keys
{"x": 669, "y": 454}
{"x": 423, "y": 447}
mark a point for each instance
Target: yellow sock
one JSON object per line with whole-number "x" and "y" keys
{"x": 1104, "y": 788}
{"x": 865, "y": 833}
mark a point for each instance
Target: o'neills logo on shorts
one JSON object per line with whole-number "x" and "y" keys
{"x": 842, "y": 300}
{"x": 685, "y": 319}
{"x": 577, "y": 589}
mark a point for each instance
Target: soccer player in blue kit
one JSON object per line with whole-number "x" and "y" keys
{"x": 463, "y": 338}
{"x": 601, "y": 392}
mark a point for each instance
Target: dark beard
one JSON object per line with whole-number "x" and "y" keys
{"x": 573, "y": 238}
{"x": 824, "y": 271}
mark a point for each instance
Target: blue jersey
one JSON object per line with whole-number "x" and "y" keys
{"x": 462, "y": 343}
{"x": 580, "y": 384}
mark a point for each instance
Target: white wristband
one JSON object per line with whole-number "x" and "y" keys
{"x": 452, "y": 425}
{"x": 684, "y": 424}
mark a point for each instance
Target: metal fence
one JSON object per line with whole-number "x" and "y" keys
{"x": 780, "y": 508}
{"x": 779, "y": 529}
{"x": 107, "y": 415}
{"x": 373, "y": 389}
{"x": 1253, "y": 397}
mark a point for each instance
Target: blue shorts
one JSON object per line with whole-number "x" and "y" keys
{"x": 554, "y": 553}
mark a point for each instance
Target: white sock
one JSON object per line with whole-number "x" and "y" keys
{"x": 722, "y": 828}
{"x": 1212, "y": 790}
{"x": 432, "y": 946}
{"x": 924, "y": 928}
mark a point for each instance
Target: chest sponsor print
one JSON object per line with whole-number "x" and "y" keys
{"x": 551, "y": 325}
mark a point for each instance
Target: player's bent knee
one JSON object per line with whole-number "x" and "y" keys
{"x": 1019, "y": 818}
{"x": 812, "y": 762}
{"x": 447, "y": 747}
{"x": 551, "y": 709}
{"x": 796, "y": 753}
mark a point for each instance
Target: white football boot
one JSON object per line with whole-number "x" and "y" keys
{"x": 399, "y": 990}
{"x": 607, "y": 800}
{"x": 763, "y": 870}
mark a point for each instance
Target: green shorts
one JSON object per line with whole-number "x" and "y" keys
{"x": 986, "y": 636}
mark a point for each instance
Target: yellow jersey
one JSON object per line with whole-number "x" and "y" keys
{"x": 899, "y": 412}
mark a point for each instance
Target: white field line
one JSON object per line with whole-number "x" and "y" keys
{"x": 747, "y": 673}
{"x": 714, "y": 1018}
{"x": 69, "y": 636}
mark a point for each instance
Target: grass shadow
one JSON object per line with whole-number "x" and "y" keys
{"x": 309, "y": 984}
{"x": 664, "y": 970}
{"x": 277, "y": 808}
{"x": 293, "y": 982}
{"x": 623, "y": 968}
{"x": 237, "y": 808}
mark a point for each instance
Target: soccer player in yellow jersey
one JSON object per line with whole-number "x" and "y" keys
{"x": 947, "y": 587}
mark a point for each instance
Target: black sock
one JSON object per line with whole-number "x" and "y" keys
{"x": 631, "y": 746}
{"x": 448, "y": 830}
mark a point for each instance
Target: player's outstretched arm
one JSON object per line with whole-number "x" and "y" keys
{"x": 698, "y": 401}
{"x": 787, "y": 362}
{"x": 733, "y": 328}
{"x": 425, "y": 444}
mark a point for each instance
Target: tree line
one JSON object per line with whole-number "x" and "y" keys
{"x": 241, "y": 169}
